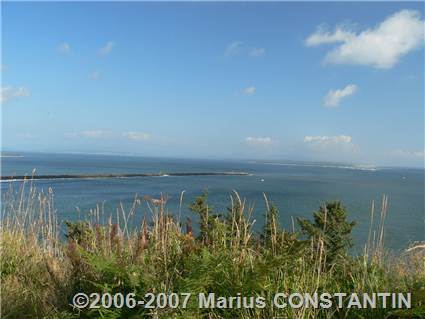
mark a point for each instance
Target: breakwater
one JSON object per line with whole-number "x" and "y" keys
{"x": 97, "y": 176}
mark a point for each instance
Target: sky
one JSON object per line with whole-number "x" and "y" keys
{"x": 339, "y": 82}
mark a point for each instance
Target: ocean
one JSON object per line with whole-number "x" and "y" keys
{"x": 296, "y": 188}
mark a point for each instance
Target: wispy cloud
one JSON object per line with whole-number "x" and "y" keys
{"x": 105, "y": 50}
{"x": 64, "y": 48}
{"x": 94, "y": 75}
{"x": 9, "y": 92}
{"x": 105, "y": 134}
{"x": 328, "y": 140}
{"x": 250, "y": 90}
{"x": 322, "y": 36}
{"x": 380, "y": 47}
{"x": 239, "y": 48}
{"x": 259, "y": 140}
{"x": 94, "y": 134}
{"x": 137, "y": 136}
{"x": 409, "y": 154}
{"x": 334, "y": 97}
{"x": 257, "y": 52}
{"x": 234, "y": 48}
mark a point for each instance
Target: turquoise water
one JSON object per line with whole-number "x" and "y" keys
{"x": 296, "y": 188}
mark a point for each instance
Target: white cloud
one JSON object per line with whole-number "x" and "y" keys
{"x": 250, "y": 90}
{"x": 238, "y": 47}
{"x": 328, "y": 140}
{"x": 95, "y": 134}
{"x": 256, "y": 52}
{"x": 234, "y": 48}
{"x": 101, "y": 134}
{"x": 94, "y": 75}
{"x": 64, "y": 48}
{"x": 321, "y": 36}
{"x": 9, "y": 92}
{"x": 107, "y": 48}
{"x": 334, "y": 97}
{"x": 409, "y": 154}
{"x": 259, "y": 140}
{"x": 331, "y": 148}
{"x": 137, "y": 136}
{"x": 380, "y": 47}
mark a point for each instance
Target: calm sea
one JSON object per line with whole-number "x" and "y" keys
{"x": 297, "y": 188}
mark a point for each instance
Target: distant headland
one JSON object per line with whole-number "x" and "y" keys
{"x": 96, "y": 176}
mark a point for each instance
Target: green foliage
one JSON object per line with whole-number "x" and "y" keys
{"x": 212, "y": 227}
{"x": 330, "y": 231}
{"x": 416, "y": 313}
{"x": 278, "y": 241}
{"x": 200, "y": 207}
{"x": 227, "y": 258}
{"x": 80, "y": 232}
{"x": 272, "y": 226}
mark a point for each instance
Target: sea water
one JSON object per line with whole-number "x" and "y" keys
{"x": 296, "y": 188}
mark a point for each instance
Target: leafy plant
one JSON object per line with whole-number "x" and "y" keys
{"x": 41, "y": 272}
{"x": 330, "y": 231}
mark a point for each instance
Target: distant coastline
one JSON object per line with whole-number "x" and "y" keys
{"x": 96, "y": 176}
{"x": 325, "y": 165}
{"x": 269, "y": 161}
{"x": 13, "y": 156}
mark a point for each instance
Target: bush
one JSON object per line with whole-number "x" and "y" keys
{"x": 330, "y": 232}
{"x": 40, "y": 273}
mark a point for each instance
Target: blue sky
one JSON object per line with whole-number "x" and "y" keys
{"x": 297, "y": 81}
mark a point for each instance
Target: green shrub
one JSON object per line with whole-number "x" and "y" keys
{"x": 330, "y": 232}
{"x": 40, "y": 273}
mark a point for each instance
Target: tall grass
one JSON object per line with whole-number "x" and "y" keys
{"x": 40, "y": 271}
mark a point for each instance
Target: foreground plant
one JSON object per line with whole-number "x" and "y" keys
{"x": 41, "y": 272}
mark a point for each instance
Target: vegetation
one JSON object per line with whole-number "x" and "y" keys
{"x": 41, "y": 272}
{"x": 330, "y": 230}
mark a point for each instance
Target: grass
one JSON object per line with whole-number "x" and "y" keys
{"x": 40, "y": 272}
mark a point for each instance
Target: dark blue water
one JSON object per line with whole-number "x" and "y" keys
{"x": 297, "y": 189}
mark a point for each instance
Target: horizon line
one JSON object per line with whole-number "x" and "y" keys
{"x": 257, "y": 160}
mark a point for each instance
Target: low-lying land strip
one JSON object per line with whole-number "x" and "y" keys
{"x": 83, "y": 176}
